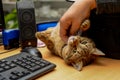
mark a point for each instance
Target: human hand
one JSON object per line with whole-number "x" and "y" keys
{"x": 71, "y": 21}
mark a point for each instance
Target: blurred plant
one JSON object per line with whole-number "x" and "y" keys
{"x": 11, "y": 20}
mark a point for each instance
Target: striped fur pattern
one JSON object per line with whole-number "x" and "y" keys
{"x": 78, "y": 52}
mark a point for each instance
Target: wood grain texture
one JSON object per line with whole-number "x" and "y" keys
{"x": 101, "y": 69}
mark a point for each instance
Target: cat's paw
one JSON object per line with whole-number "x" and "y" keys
{"x": 85, "y": 25}
{"x": 42, "y": 35}
{"x": 73, "y": 40}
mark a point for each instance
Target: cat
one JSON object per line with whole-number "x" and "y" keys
{"x": 78, "y": 52}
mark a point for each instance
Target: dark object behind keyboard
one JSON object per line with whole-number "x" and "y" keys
{"x": 24, "y": 66}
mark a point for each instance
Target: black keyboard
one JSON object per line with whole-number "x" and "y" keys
{"x": 24, "y": 66}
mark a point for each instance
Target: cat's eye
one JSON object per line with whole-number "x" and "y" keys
{"x": 84, "y": 42}
{"x": 74, "y": 51}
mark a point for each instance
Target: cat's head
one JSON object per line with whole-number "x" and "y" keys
{"x": 80, "y": 51}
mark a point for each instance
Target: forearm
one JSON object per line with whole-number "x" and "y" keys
{"x": 108, "y": 6}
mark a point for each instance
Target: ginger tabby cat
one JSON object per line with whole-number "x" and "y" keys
{"x": 78, "y": 52}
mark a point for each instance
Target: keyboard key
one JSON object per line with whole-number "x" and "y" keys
{"x": 13, "y": 77}
{"x": 1, "y": 69}
{"x": 2, "y": 78}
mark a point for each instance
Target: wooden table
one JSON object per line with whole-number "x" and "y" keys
{"x": 101, "y": 69}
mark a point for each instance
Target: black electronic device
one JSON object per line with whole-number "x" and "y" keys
{"x": 33, "y": 51}
{"x": 2, "y": 22}
{"x": 24, "y": 66}
{"x": 71, "y": 0}
{"x": 27, "y": 23}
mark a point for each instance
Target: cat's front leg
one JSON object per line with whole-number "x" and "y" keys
{"x": 73, "y": 41}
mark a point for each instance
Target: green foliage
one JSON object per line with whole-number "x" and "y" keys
{"x": 11, "y": 20}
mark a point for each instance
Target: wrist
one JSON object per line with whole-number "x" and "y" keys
{"x": 93, "y": 4}
{"x": 90, "y": 3}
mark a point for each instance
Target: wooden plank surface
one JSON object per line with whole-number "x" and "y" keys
{"x": 101, "y": 69}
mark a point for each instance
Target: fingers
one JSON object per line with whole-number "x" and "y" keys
{"x": 75, "y": 27}
{"x": 64, "y": 30}
{"x": 68, "y": 29}
{"x": 63, "y": 35}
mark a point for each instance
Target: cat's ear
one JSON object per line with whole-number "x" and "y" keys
{"x": 98, "y": 52}
{"x": 78, "y": 65}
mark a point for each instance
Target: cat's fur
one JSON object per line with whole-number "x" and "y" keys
{"x": 79, "y": 51}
